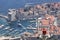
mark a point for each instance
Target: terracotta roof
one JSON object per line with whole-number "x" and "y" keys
{"x": 45, "y": 22}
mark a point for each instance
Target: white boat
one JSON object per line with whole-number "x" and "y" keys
{"x": 1, "y": 26}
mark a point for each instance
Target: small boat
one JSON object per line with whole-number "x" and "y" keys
{"x": 1, "y": 26}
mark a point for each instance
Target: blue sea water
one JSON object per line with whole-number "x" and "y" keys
{"x": 14, "y": 29}
{"x": 6, "y": 4}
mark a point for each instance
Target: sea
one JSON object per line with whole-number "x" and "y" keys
{"x": 7, "y": 4}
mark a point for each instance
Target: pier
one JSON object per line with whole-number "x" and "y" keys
{"x": 5, "y": 17}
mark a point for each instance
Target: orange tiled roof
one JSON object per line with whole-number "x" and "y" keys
{"x": 45, "y": 22}
{"x": 50, "y": 17}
